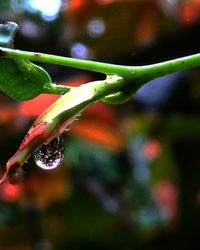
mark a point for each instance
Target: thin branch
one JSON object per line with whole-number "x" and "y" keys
{"x": 156, "y": 70}
{"x": 138, "y": 75}
{"x": 105, "y": 68}
{"x": 146, "y": 73}
{"x": 56, "y": 89}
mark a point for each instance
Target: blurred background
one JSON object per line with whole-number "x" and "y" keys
{"x": 130, "y": 177}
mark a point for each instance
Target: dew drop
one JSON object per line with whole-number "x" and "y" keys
{"x": 68, "y": 127}
{"x": 77, "y": 117}
{"x": 51, "y": 155}
{"x": 15, "y": 173}
{"x": 62, "y": 93}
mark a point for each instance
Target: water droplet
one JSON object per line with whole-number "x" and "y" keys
{"x": 25, "y": 138}
{"x": 77, "y": 117}
{"x": 62, "y": 93}
{"x": 51, "y": 155}
{"x": 68, "y": 127}
{"x": 15, "y": 173}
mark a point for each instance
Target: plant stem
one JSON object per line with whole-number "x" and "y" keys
{"x": 156, "y": 70}
{"x": 105, "y": 68}
{"x": 138, "y": 74}
{"x": 56, "y": 89}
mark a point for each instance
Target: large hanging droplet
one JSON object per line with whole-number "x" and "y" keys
{"x": 51, "y": 155}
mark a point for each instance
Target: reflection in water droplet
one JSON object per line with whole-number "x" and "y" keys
{"x": 51, "y": 155}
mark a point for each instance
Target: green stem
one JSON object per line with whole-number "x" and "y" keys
{"x": 145, "y": 72}
{"x": 105, "y": 68}
{"x": 138, "y": 75}
{"x": 56, "y": 89}
{"x": 156, "y": 70}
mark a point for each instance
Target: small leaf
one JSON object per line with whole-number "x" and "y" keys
{"x": 20, "y": 79}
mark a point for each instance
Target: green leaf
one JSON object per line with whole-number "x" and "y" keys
{"x": 20, "y": 79}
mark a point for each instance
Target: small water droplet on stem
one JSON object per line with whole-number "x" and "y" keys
{"x": 77, "y": 117}
{"x": 68, "y": 127}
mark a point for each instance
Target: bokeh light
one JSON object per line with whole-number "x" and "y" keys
{"x": 96, "y": 28}
{"x": 79, "y": 51}
{"x": 48, "y": 9}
